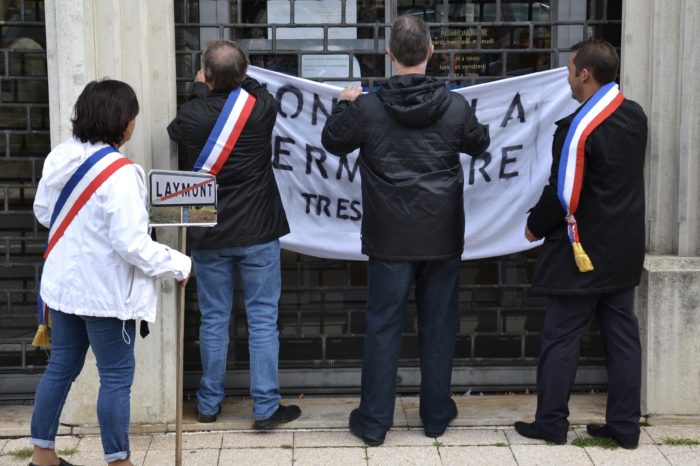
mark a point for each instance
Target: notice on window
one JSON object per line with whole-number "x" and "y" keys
{"x": 312, "y": 12}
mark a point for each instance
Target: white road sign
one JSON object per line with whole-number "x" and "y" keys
{"x": 178, "y": 188}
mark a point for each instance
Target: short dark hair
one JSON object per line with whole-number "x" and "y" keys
{"x": 103, "y": 112}
{"x": 599, "y": 57}
{"x": 225, "y": 64}
{"x": 410, "y": 40}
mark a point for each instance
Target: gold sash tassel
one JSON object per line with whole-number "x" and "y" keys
{"x": 583, "y": 262}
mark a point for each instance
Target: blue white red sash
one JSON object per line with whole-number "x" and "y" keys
{"x": 226, "y": 131}
{"x": 89, "y": 176}
{"x": 571, "y": 165}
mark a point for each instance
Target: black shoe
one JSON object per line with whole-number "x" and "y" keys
{"x": 438, "y": 433}
{"x": 369, "y": 441}
{"x": 61, "y": 462}
{"x": 530, "y": 430}
{"x": 208, "y": 417}
{"x": 603, "y": 431}
{"x": 282, "y": 415}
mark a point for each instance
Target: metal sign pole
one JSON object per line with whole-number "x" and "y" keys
{"x": 180, "y": 343}
{"x": 181, "y": 190}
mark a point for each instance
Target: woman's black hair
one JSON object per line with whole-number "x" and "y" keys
{"x": 103, "y": 112}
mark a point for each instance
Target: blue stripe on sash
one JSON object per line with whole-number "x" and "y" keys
{"x": 76, "y": 177}
{"x": 218, "y": 127}
{"x": 563, "y": 162}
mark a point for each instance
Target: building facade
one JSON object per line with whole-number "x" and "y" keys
{"x": 155, "y": 45}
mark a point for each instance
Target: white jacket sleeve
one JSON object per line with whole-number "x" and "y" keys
{"x": 127, "y": 222}
{"x": 44, "y": 200}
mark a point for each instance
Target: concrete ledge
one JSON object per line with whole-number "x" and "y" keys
{"x": 668, "y": 301}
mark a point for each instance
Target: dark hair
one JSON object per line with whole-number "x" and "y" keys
{"x": 410, "y": 40}
{"x": 225, "y": 64}
{"x": 103, "y": 112}
{"x": 599, "y": 57}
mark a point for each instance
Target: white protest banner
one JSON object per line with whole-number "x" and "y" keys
{"x": 321, "y": 192}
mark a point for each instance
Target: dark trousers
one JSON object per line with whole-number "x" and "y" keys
{"x": 437, "y": 292}
{"x": 566, "y": 319}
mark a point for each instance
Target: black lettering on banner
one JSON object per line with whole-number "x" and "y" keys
{"x": 318, "y": 105}
{"x": 354, "y": 205}
{"x": 167, "y": 189}
{"x": 308, "y": 198}
{"x": 342, "y": 207}
{"x": 322, "y": 205}
{"x": 158, "y": 193}
{"x": 473, "y": 104}
{"x": 505, "y": 161}
{"x": 279, "y": 140}
{"x": 515, "y": 103}
{"x": 486, "y": 158}
{"x": 288, "y": 88}
{"x": 343, "y": 162}
{"x": 319, "y": 161}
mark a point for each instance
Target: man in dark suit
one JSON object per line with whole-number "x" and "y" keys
{"x": 594, "y": 200}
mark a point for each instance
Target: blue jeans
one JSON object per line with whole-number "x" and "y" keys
{"x": 215, "y": 269}
{"x": 437, "y": 293}
{"x": 112, "y": 341}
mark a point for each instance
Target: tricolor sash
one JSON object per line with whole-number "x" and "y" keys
{"x": 571, "y": 165}
{"x": 82, "y": 184}
{"x": 226, "y": 131}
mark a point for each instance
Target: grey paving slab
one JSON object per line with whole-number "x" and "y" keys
{"x": 503, "y": 410}
{"x": 477, "y": 456}
{"x": 659, "y": 433}
{"x": 330, "y": 456}
{"x": 645, "y": 455}
{"x": 66, "y": 442}
{"x": 91, "y": 457}
{"x": 256, "y": 457}
{"x": 2, "y": 444}
{"x": 644, "y": 437}
{"x": 339, "y": 438}
{"x": 16, "y": 444}
{"x": 9, "y": 460}
{"x": 681, "y": 455}
{"x": 404, "y": 456}
{"x": 140, "y": 442}
{"x": 90, "y": 443}
{"x": 16, "y": 419}
{"x": 471, "y": 436}
{"x": 258, "y": 440}
{"x": 407, "y": 438}
{"x": 189, "y": 458}
{"x": 190, "y": 441}
{"x": 515, "y": 438}
{"x": 546, "y": 455}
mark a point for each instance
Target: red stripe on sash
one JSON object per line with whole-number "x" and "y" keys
{"x": 235, "y": 134}
{"x": 581, "y": 148}
{"x": 82, "y": 200}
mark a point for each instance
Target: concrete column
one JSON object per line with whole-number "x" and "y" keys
{"x": 133, "y": 41}
{"x": 660, "y": 65}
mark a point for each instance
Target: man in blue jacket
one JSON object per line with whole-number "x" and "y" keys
{"x": 410, "y": 135}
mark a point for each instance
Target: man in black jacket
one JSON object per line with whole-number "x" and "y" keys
{"x": 608, "y": 227}
{"x": 410, "y": 134}
{"x": 250, "y": 221}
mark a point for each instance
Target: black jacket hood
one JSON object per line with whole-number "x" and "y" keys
{"x": 414, "y": 100}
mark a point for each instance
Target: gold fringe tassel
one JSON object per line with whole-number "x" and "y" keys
{"x": 583, "y": 262}
{"x": 42, "y": 339}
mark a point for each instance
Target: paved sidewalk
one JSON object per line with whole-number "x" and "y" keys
{"x": 482, "y": 436}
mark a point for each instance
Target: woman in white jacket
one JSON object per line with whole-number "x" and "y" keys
{"x": 100, "y": 269}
